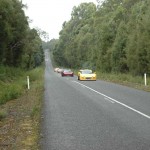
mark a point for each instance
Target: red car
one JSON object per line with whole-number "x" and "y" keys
{"x": 67, "y": 72}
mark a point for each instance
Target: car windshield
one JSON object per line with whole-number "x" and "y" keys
{"x": 86, "y": 71}
{"x": 67, "y": 70}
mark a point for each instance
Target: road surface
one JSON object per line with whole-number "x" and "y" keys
{"x": 93, "y": 115}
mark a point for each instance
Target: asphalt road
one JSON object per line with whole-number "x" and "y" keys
{"x": 93, "y": 115}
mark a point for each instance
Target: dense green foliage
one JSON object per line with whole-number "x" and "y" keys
{"x": 112, "y": 37}
{"x": 50, "y": 44}
{"x": 20, "y": 46}
{"x": 20, "y": 49}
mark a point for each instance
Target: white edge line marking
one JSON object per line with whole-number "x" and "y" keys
{"x": 109, "y": 100}
{"x": 115, "y": 100}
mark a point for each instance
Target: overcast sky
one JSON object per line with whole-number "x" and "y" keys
{"x": 49, "y": 15}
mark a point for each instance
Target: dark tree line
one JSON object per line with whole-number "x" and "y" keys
{"x": 20, "y": 46}
{"x": 112, "y": 37}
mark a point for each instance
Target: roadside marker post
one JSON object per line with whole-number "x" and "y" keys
{"x": 145, "y": 79}
{"x": 28, "y": 82}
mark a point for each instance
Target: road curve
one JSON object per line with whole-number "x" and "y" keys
{"x": 93, "y": 115}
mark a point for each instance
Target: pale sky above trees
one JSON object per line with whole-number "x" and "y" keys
{"x": 49, "y": 15}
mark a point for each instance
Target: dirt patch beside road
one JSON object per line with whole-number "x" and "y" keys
{"x": 19, "y": 129}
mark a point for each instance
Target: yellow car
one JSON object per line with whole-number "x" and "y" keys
{"x": 86, "y": 74}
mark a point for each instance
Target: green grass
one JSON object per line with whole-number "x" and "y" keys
{"x": 10, "y": 91}
{"x": 125, "y": 79}
{"x": 34, "y": 74}
{"x": 26, "y": 104}
{"x": 3, "y": 114}
{"x": 35, "y": 111}
{"x": 9, "y": 73}
{"x": 13, "y": 82}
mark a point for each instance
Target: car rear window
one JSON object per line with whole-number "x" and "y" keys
{"x": 86, "y": 71}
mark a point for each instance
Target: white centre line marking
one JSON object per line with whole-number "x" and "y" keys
{"x": 146, "y": 116}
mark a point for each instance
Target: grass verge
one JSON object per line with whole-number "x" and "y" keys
{"x": 136, "y": 82}
{"x": 20, "y": 117}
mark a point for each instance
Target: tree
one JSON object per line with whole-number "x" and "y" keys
{"x": 14, "y": 34}
{"x": 112, "y": 37}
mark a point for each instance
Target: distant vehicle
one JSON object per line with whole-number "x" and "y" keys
{"x": 86, "y": 74}
{"x": 67, "y": 72}
{"x": 56, "y": 69}
{"x": 60, "y": 70}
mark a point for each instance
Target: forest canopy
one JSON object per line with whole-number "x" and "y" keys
{"x": 111, "y": 37}
{"x": 20, "y": 46}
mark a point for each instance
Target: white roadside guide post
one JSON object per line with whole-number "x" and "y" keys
{"x": 28, "y": 82}
{"x": 145, "y": 79}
